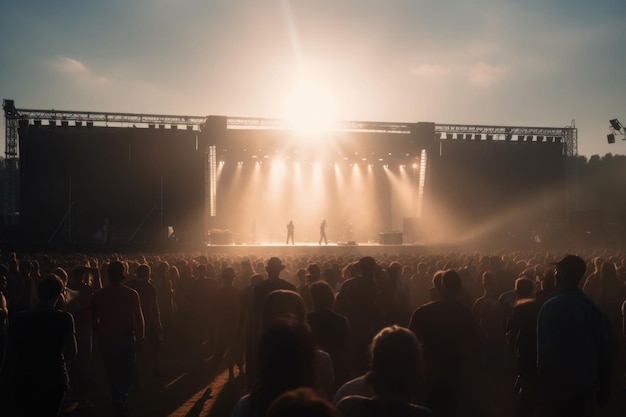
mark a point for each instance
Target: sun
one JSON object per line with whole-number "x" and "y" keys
{"x": 310, "y": 109}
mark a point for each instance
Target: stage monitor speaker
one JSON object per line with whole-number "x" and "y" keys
{"x": 391, "y": 238}
{"x": 610, "y": 138}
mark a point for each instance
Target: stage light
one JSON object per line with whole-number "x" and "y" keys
{"x": 415, "y": 165}
{"x": 79, "y": 123}
{"x": 189, "y": 127}
{"x": 65, "y": 123}
{"x": 490, "y": 137}
{"x": 449, "y": 136}
{"x": 161, "y": 126}
{"x": 37, "y": 122}
{"x": 478, "y": 136}
{"x": 610, "y": 138}
{"x": 539, "y": 138}
{"x": 52, "y": 123}
{"x": 529, "y": 138}
{"x": 150, "y": 125}
{"x": 615, "y": 124}
{"x": 520, "y": 138}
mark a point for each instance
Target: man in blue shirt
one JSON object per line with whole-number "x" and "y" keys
{"x": 572, "y": 346}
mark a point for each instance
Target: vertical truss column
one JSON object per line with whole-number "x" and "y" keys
{"x": 11, "y": 163}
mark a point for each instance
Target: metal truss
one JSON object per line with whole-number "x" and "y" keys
{"x": 567, "y": 135}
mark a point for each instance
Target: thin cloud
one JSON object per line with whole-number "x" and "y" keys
{"x": 74, "y": 67}
{"x": 480, "y": 73}
{"x": 485, "y": 74}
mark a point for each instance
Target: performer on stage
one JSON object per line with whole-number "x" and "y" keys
{"x": 323, "y": 227}
{"x": 290, "y": 229}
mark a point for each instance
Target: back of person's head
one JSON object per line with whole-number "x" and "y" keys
{"x": 524, "y": 288}
{"x": 274, "y": 266}
{"x": 608, "y": 271}
{"x": 60, "y": 272}
{"x": 143, "y": 272}
{"x": 395, "y": 269}
{"x": 322, "y": 295}
{"x": 283, "y": 305}
{"x": 367, "y": 266}
{"x": 49, "y": 289}
{"x": 451, "y": 283}
{"x": 255, "y": 279}
{"x": 285, "y": 360}
{"x": 314, "y": 271}
{"x": 490, "y": 281}
{"x": 301, "y": 402}
{"x": 569, "y": 271}
{"x": 116, "y": 271}
{"x": 246, "y": 266}
{"x": 396, "y": 366}
{"x": 228, "y": 274}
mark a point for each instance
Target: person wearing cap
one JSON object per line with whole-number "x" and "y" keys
{"x": 573, "y": 348}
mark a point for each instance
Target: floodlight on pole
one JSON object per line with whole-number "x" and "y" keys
{"x": 616, "y": 125}
{"x": 616, "y": 129}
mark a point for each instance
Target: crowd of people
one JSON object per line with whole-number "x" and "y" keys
{"x": 455, "y": 334}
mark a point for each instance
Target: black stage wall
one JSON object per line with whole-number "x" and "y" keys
{"x": 139, "y": 181}
{"x": 489, "y": 188}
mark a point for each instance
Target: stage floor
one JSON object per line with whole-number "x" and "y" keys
{"x": 270, "y": 249}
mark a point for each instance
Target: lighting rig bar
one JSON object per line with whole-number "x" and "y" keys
{"x": 567, "y": 135}
{"x": 82, "y": 116}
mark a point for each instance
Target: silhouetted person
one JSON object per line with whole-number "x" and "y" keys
{"x": 148, "y": 358}
{"x": 323, "y": 226}
{"x": 42, "y": 340}
{"x": 396, "y": 301}
{"x": 573, "y": 351}
{"x": 395, "y": 376}
{"x": 290, "y": 230}
{"x": 331, "y": 331}
{"x": 522, "y": 336}
{"x": 313, "y": 275}
{"x": 80, "y": 290}
{"x": 118, "y": 322}
{"x": 447, "y": 332}
{"x": 358, "y": 301}
{"x": 285, "y": 359}
{"x": 259, "y": 292}
{"x": 227, "y": 309}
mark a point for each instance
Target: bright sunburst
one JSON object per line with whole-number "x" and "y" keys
{"x": 309, "y": 108}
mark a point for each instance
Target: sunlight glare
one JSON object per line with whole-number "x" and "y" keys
{"x": 309, "y": 109}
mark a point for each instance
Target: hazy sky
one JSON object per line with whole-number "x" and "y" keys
{"x": 523, "y": 62}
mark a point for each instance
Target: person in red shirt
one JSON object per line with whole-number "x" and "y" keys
{"x": 118, "y": 322}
